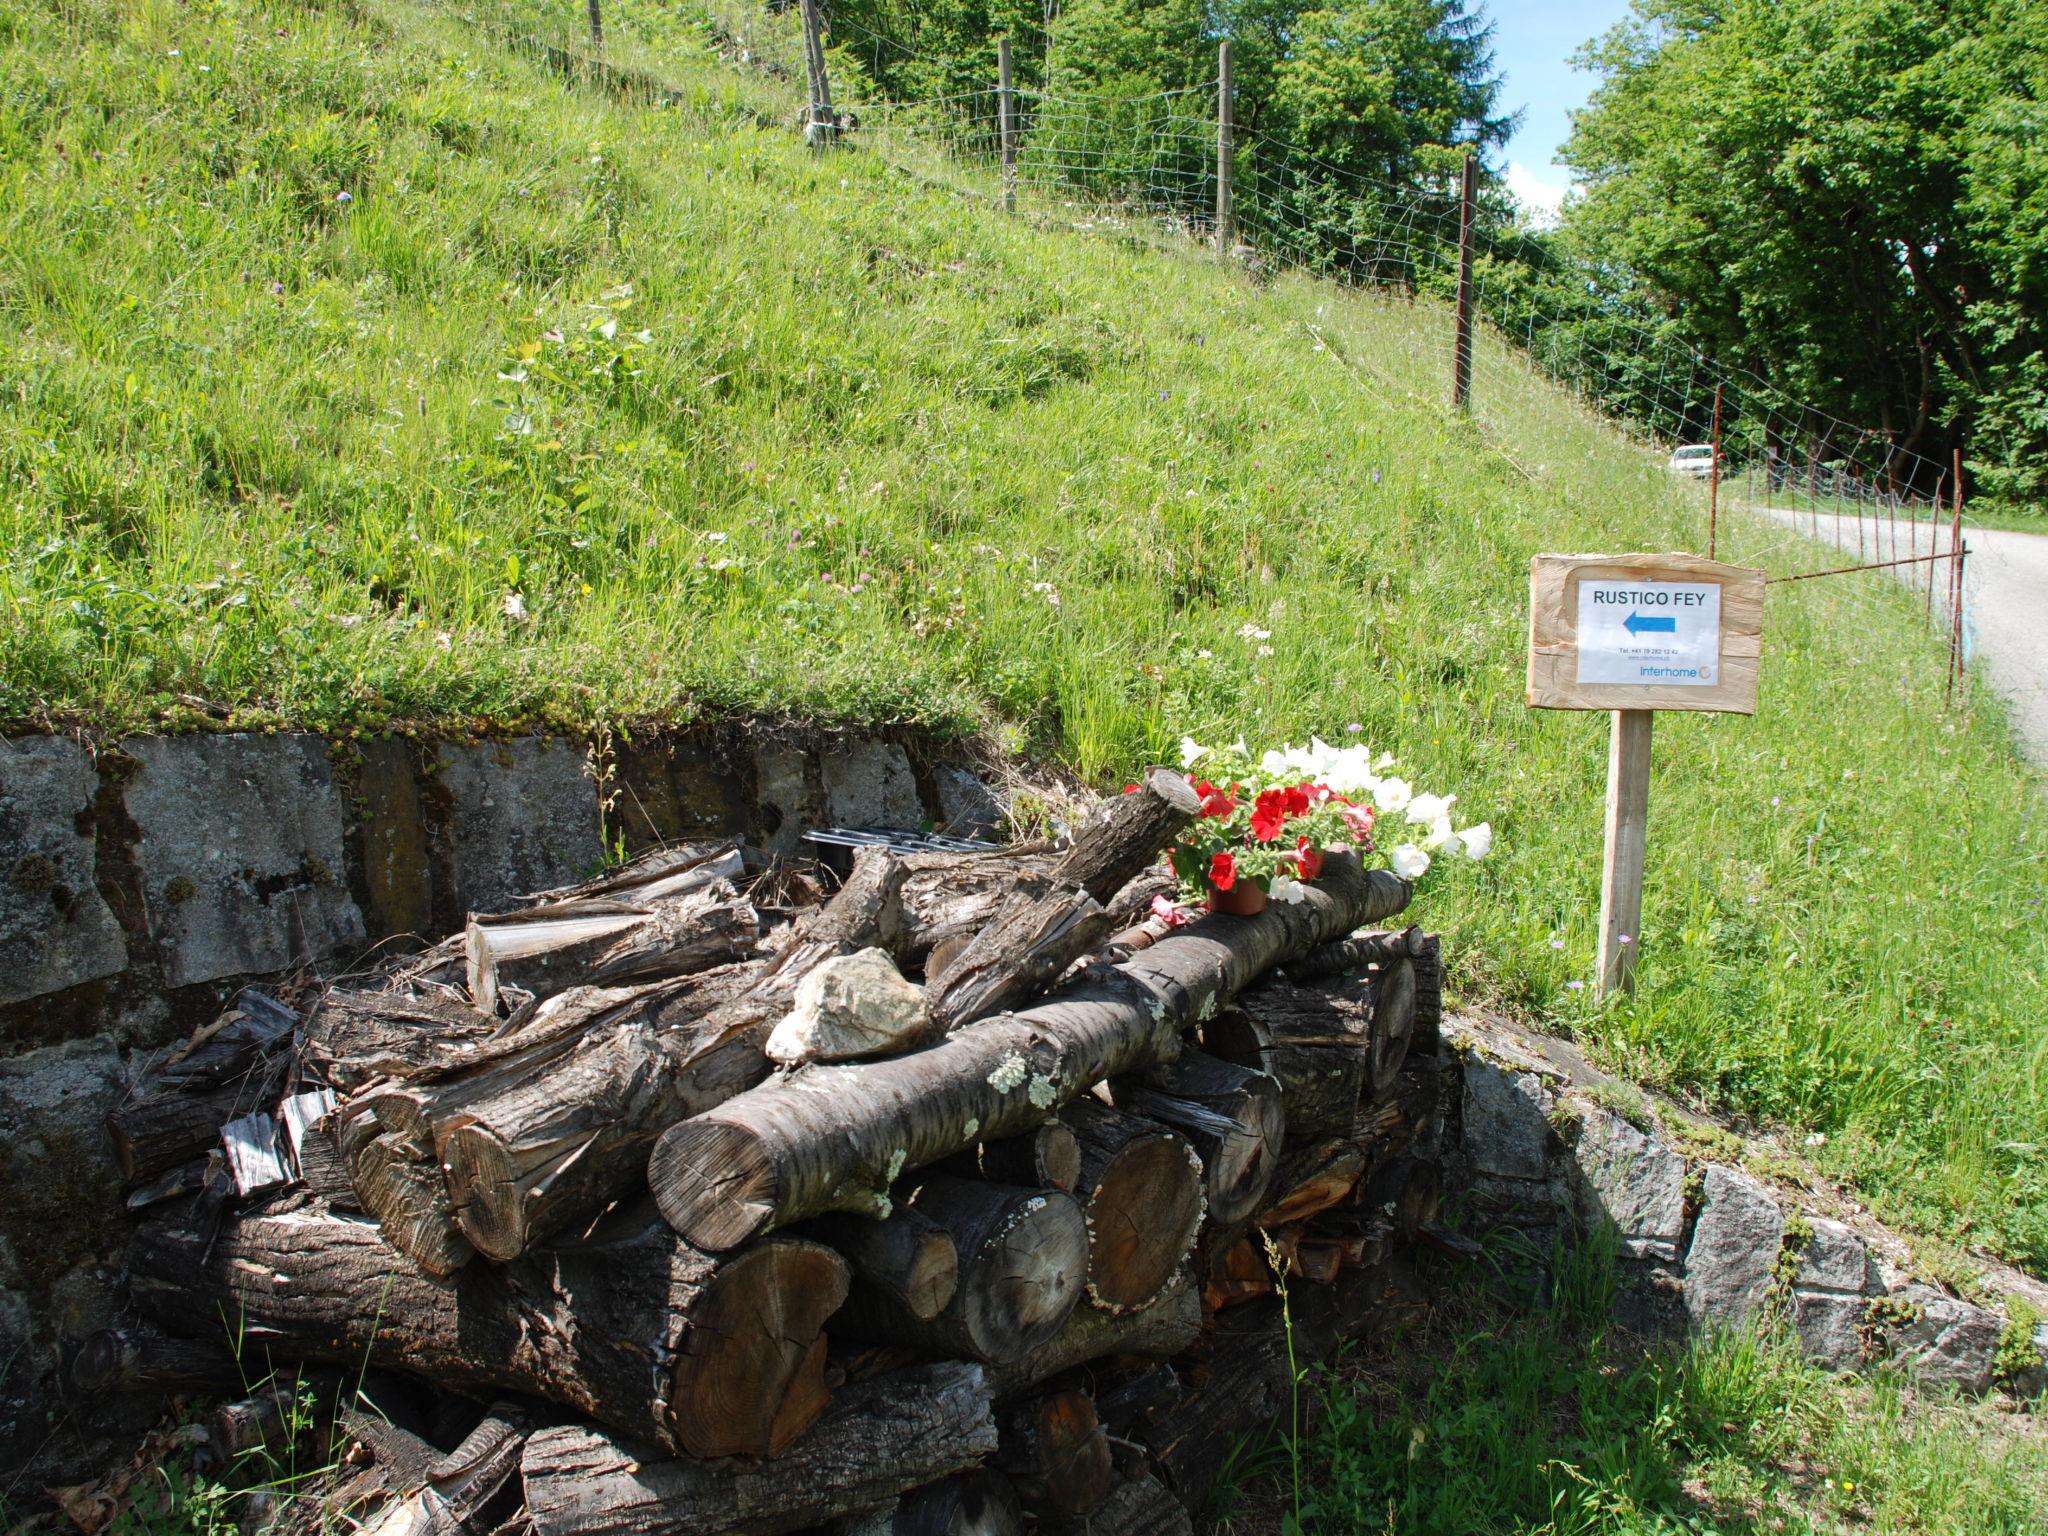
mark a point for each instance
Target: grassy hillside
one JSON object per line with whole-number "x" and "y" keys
{"x": 356, "y": 371}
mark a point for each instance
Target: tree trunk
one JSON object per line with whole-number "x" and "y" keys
{"x": 632, "y": 1327}
{"x": 1027, "y": 945}
{"x": 1126, "y": 833}
{"x": 880, "y": 1437}
{"x": 1141, "y": 1187}
{"x": 1234, "y": 1118}
{"x": 835, "y": 1137}
{"x": 1055, "y": 1455}
{"x": 1170, "y": 1323}
{"x": 1023, "y": 1261}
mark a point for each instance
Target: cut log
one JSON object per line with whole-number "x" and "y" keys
{"x": 980, "y": 1503}
{"x": 1429, "y": 998}
{"x": 398, "y": 1183}
{"x": 1316, "y": 1041}
{"x": 1234, "y": 1117}
{"x": 1144, "y": 1398}
{"x": 1023, "y": 1262}
{"x": 631, "y": 1327}
{"x": 1055, "y": 1455}
{"x": 835, "y": 1137}
{"x": 257, "y": 1026}
{"x": 355, "y": 1037}
{"x": 1170, "y": 1323}
{"x": 880, "y": 1437}
{"x": 480, "y": 1478}
{"x": 1126, "y": 833}
{"x": 1028, "y": 943}
{"x": 1311, "y": 1180}
{"x": 906, "y": 1258}
{"x": 602, "y": 941}
{"x": 1356, "y": 952}
{"x": 1141, "y": 1189}
{"x": 143, "y": 1360}
{"x": 1239, "y": 1382}
{"x": 1139, "y": 1506}
{"x": 162, "y": 1130}
{"x": 1046, "y": 1158}
{"x": 277, "y": 1414}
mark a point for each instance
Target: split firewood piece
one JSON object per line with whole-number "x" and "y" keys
{"x": 906, "y": 1258}
{"x": 1316, "y": 1041}
{"x": 1141, "y": 1399}
{"x": 602, "y": 941}
{"x": 710, "y": 1356}
{"x": 1407, "y": 1190}
{"x": 836, "y": 1137}
{"x": 1055, "y": 1455}
{"x": 1045, "y": 1158}
{"x": 255, "y": 1154}
{"x": 1318, "y": 1260}
{"x": 659, "y": 872}
{"x": 880, "y": 1437}
{"x": 1164, "y": 1327}
{"x": 1313, "y": 1179}
{"x": 1234, "y": 1117}
{"x": 1235, "y": 1273}
{"x": 388, "y": 1150}
{"x": 1022, "y": 1259}
{"x": 296, "y": 1117}
{"x": 1125, "y": 833}
{"x": 1239, "y": 1382}
{"x": 1136, "y": 1506}
{"x": 1142, "y": 1190}
{"x": 480, "y": 1477}
{"x": 1040, "y": 930}
{"x": 851, "y": 1006}
{"x": 977, "y": 1503}
{"x": 165, "y": 1128}
{"x": 355, "y": 1037}
{"x": 257, "y": 1026}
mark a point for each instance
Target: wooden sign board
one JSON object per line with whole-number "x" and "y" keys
{"x": 1644, "y": 632}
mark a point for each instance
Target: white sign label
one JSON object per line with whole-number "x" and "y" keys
{"x": 1656, "y": 633}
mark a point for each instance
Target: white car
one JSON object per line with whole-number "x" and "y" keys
{"x": 1695, "y": 460}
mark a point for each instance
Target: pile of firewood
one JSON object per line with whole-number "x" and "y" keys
{"x": 731, "y": 1205}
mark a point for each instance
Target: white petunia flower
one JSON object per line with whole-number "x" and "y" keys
{"x": 1478, "y": 840}
{"x": 1274, "y": 765}
{"x": 1191, "y": 751}
{"x": 1410, "y": 861}
{"x": 1391, "y": 795}
{"x": 1442, "y": 839}
{"x": 1424, "y": 809}
{"x": 1285, "y": 888}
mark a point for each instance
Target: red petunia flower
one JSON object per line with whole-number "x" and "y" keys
{"x": 1358, "y": 821}
{"x": 1223, "y": 871}
{"x": 1297, "y": 800}
{"x": 1130, "y": 789}
{"x": 1269, "y": 814}
{"x": 1214, "y": 801}
{"x": 1308, "y": 859}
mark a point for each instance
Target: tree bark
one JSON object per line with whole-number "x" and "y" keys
{"x": 906, "y": 1261}
{"x": 156, "y": 1133}
{"x": 1126, "y": 832}
{"x": 835, "y": 1137}
{"x": 1141, "y": 1188}
{"x": 1055, "y": 1455}
{"x": 1022, "y": 1264}
{"x": 1164, "y": 1327}
{"x": 142, "y": 1360}
{"x": 607, "y": 942}
{"x": 1234, "y": 1118}
{"x": 632, "y": 1327}
{"x": 1315, "y": 1041}
{"x": 1028, "y": 944}
{"x": 880, "y": 1437}
{"x": 1046, "y": 1158}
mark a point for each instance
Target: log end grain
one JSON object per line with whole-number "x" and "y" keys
{"x": 714, "y": 1182}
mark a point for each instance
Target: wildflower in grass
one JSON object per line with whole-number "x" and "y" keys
{"x": 1265, "y": 650}
{"x": 1557, "y": 943}
{"x": 1354, "y": 728}
{"x": 1253, "y": 632}
{"x": 1574, "y": 986}
{"x": 513, "y": 607}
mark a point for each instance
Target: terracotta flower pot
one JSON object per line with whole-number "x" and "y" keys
{"x": 1243, "y": 899}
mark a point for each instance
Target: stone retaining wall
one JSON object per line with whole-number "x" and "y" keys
{"x": 1537, "y": 1143}
{"x": 144, "y": 881}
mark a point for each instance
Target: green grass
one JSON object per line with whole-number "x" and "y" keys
{"x": 1487, "y": 1417}
{"x": 887, "y": 456}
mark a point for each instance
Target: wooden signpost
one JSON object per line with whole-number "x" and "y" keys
{"x": 1635, "y": 634}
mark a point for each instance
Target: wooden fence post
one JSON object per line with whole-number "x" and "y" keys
{"x": 1461, "y": 346}
{"x": 1226, "y": 219}
{"x": 823, "y": 126}
{"x": 596, "y": 29}
{"x": 1006, "y": 115}
{"x": 1621, "y": 874}
{"x": 1714, "y": 481}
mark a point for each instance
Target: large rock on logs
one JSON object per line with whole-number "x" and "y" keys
{"x": 1162, "y": 1328}
{"x": 697, "y": 921}
{"x": 1055, "y": 1455}
{"x": 1022, "y": 1260}
{"x": 1141, "y": 1187}
{"x": 836, "y": 1137}
{"x": 710, "y": 1356}
{"x": 848, "y": 1007}
{"x": 1235, "y": 1118}
{"x": 880, "y": 1437}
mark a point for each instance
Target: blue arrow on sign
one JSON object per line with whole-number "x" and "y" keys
{"x": 1636, "y": 624}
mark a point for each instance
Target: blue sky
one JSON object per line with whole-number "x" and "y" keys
{"x": 1533, "y": 42}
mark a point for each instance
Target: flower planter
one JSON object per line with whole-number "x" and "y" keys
{"x": 1244, "y": 899}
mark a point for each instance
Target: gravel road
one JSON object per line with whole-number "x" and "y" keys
{"x": 2005, "y": 604}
